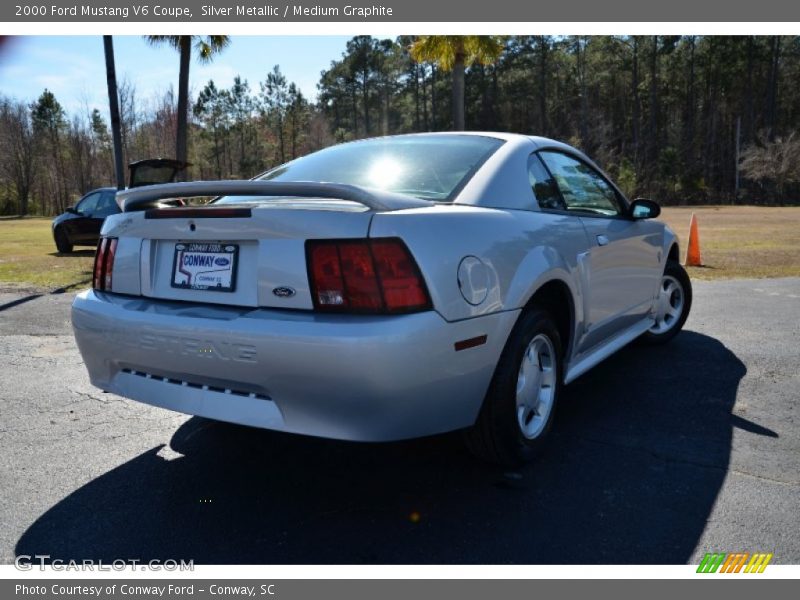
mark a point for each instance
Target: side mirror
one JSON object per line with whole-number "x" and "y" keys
{"x": 73, "y": 211}
{"x": 642, "y": 208}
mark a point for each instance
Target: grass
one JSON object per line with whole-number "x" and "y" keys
{"x": 735, "y": 242}
{"x": 741, "y": 241}
{"x": 29, "y": 260}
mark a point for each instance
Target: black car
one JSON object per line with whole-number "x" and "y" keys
{"x": 80, "y": 224}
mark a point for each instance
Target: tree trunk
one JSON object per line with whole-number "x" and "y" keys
{"x": 281, "y": 142}
{"x": 689, "y": 115}
{"x": 337, "y": 122}
{"x": 294, "y": 134}
{"x": 425, "y": 121}
{"x": 386, "y": 108}
{"x": 355, "y": 108}
{"x": 581, "y": 64}
{"x": 365, "y": 101}
{"x": 637, "y": 106}
{"x": 458, "y": 93}
{"x": 61, "y": 176}
{"x": 736, "y": 163}
{"x": 217, "y": 150}
{"x": 749, "y": 113}
{"x": 710, "y": 119}
{"x": 653, "y": 142}
{"x": 21, "y": 152}
{"x": 483, "y": 114}
{"x": 416, "y": 98}
{"x": 228, "y": 153}
{"x": 23, "y": 161}
{"x": 434, "y": 112}
{"x": 543, "y": 47}
{"x": 181, "y": 146}
{"x": 113, "y": 106}
{"x": 495, "y": 97}
{"x": 772, "y": 91}
{"x": 23, "y": 194}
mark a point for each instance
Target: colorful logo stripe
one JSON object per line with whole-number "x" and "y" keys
{"x": 734, "y": 562}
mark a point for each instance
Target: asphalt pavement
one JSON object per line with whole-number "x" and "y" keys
{"x": 658, "y": 456}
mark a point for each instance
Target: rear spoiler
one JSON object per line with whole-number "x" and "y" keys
{"x": 147, "y": 197}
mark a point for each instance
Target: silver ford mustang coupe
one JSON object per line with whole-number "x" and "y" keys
{"x": 382, "y": 289}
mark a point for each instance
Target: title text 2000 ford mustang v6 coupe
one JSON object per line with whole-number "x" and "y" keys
{"x": 382, "y": 289}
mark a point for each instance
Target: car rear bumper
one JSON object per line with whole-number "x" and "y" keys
{"x": 354, "y": 377}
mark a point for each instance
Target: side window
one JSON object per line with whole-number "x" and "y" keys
{"x": 88, "y": 205}
{"x": 543, "y": 185}
{"x": 582, "y": 188}
{"x": 106, "y": 206}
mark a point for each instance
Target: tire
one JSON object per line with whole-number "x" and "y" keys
{"x": 508, "y": 434}
{"x": 673, "y": 305}
{"x": 62, "y": 241}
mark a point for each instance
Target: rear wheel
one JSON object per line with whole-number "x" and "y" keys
{"x": 519, "y": 407}
{"x": 62, "y": 241}
{"x": 672, "y": 305}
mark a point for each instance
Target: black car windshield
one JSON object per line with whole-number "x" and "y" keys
{"x": 432, "y": 167}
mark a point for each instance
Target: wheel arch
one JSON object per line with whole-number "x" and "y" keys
{"x": 674, "y": 252}
{"x": 556, "y": 297}
{"x": 670, "y": 248}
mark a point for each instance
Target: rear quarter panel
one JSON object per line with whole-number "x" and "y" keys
{"x": 521, "y": 249}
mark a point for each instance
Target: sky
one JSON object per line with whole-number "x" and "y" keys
{"x": 73, "y": 67}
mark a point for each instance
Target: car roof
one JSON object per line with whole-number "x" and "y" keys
{"x": 532, "y": 142}
{"x": 538, "y": 140}
{"x": 501, "y": 135}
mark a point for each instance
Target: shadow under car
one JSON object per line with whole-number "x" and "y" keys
{"x": 639, "y": 452}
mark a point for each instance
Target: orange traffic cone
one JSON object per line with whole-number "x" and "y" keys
{"x": 693, "y": 250}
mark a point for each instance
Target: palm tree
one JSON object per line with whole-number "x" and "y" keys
{"x": 206, "y": 46}
{"x": 455, "y": 53}
{"x": 113, "y": 105}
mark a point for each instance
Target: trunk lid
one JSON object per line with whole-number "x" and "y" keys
{"x": 264, "y": 242}
{"x": 256, "y": 230}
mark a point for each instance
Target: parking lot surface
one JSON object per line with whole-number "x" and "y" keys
{"x": 658, "y": 456}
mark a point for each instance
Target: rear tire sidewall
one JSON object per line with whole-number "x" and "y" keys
{"x": 512, "y": 445}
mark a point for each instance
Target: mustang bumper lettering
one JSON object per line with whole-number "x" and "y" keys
{"x": 354, "y": 377}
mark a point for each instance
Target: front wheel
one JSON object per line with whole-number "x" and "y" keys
{"x": 672, "y": 304}
{"x": 519, "y": 407}
{"x": 62, "y": 241}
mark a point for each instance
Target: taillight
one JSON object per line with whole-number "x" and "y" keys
{"x": 399, "y": 276}
{"x": 374, "y": 276}
{"x": 104, "y": 264}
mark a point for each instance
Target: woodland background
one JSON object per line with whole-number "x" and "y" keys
{"x": 679, "y": 119}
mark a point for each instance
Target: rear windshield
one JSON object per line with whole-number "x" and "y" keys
{"x": 432, "y": 167}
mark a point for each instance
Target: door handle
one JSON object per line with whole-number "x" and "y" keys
{"x": 602, "y": 240}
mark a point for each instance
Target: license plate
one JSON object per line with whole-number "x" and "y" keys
{"x": 205, "y": 266}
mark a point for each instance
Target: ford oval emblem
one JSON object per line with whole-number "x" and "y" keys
{"x": 222, "y": 261}
{"x": 283, "y": 292}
